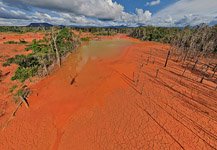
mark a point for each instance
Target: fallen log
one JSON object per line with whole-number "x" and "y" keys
{"x": 12, "y": 115}
{"x": 24, "y": 101}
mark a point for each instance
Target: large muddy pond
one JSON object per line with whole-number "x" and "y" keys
{"x": 101, "y": 49}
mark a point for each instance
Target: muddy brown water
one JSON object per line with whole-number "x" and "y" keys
{"x": 101, "y": 50}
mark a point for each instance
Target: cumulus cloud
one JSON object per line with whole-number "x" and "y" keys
{"x": 187, "y": 12}
{"x": 153, "y": 3}
{"x": 105, "y": 13}
{"x": 6, "y": 12}
{"x": 78, "y": 12}
{"x": 140, "y": 17}
{"x": 103, "y": 9}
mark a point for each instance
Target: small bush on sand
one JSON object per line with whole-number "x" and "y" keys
{"x": 23, "y": 73}
{"x": 13, "y": 88}
{"x": 85, "y": 39}
{"x": 22, "y": 41}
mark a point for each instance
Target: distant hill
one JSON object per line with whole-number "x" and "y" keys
{"x": 114, "y": 27}
{"x": 40, "y": 25}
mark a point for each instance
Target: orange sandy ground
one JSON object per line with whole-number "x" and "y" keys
{"x": 7, "y": 104}
{"x": 117, "y": 103}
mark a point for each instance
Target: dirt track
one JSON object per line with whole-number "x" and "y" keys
{"x": 117, "y": 103}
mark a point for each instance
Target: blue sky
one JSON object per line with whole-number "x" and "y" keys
{"x": 131, "y": 5}
{"x": 109, "y": 12}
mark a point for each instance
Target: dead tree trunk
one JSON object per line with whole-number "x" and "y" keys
{"x": 54, "y": 38}
{"x": 195, "y": 64}
{"x": 57, "y": 53}
{"x": 168, "y": 55}
{"x": 185, "y": 69}
{"x": 185, "y": 58}
{"x": 147, "y": 61}
{"x": 45, "y": 69}
{"x": 157, "y": 72}
{"x": 214, "y": 71}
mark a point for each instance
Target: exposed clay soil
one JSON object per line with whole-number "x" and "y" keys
{"x": 7, "y": 51}
{"x": 117, "y": 103}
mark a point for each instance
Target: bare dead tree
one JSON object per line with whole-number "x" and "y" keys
{"x": 168, "y": 55}
{"x": 214, "y": 70}
{"x": 185, "y": 69}
{"x": 195, "y": 63}
{"x": 157, "y": 72}
{"x": 54, "y": 38}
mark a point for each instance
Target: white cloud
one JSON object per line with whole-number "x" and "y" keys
{"x": 140, "y": 17}
{"x": 104, "y": 9}
{"x": 105, "y": 13}
{"x": 92, "y": 13}
{"x": 6, "y": 12}
{"x": 187, "y": 12}
{"x": 153, "y": 3}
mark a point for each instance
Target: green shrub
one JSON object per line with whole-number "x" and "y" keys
{"x": 22, "y": 60}
{"x": 13, "y": 88}
{"x": 11, "y": 42}
{"x": 22, "y": 41}
{"x": 22, "y": 74}
{"x": 85, "y": 39}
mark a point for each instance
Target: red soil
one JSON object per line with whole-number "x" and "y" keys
{"x": 117, "y": 103}
{"x": 8, "y": 51}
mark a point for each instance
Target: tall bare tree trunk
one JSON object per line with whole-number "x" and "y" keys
{"x": 168, "y": 55}
{"x": 57, "y": 53}
{"x": 54, "y": 37}
{"x": 45, "y": 69}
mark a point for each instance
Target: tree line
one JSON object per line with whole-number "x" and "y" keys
{"x": 201, "y": 38}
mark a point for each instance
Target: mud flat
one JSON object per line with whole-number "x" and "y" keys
{"x": 116, "y": 102}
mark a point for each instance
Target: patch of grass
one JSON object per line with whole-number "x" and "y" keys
{"x": 22, "y": 60}
{"x": 22, "y": 41}
{"x": 8, "y": 62}
{"x": 13, "y": 88}
{"x": 19, "y": 93}
{"x": 11, "y": 42}
{"x": 85, "y": 39}
{"x": 22, "y": 73}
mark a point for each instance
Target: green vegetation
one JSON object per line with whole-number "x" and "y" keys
{"x": 56, "y": 44}
{"x": 103, "y": 31}
{"x": 158, "y": 34}
{"x": 23, "y": 73}
{"x": 60, "y": 41}
{"x": 13, "y": 88}
{"x": 85, "y": 39}
{"x": 200, "y": 38}
{"x": 22, "y": 41}
{"x": 17, "y": 29}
